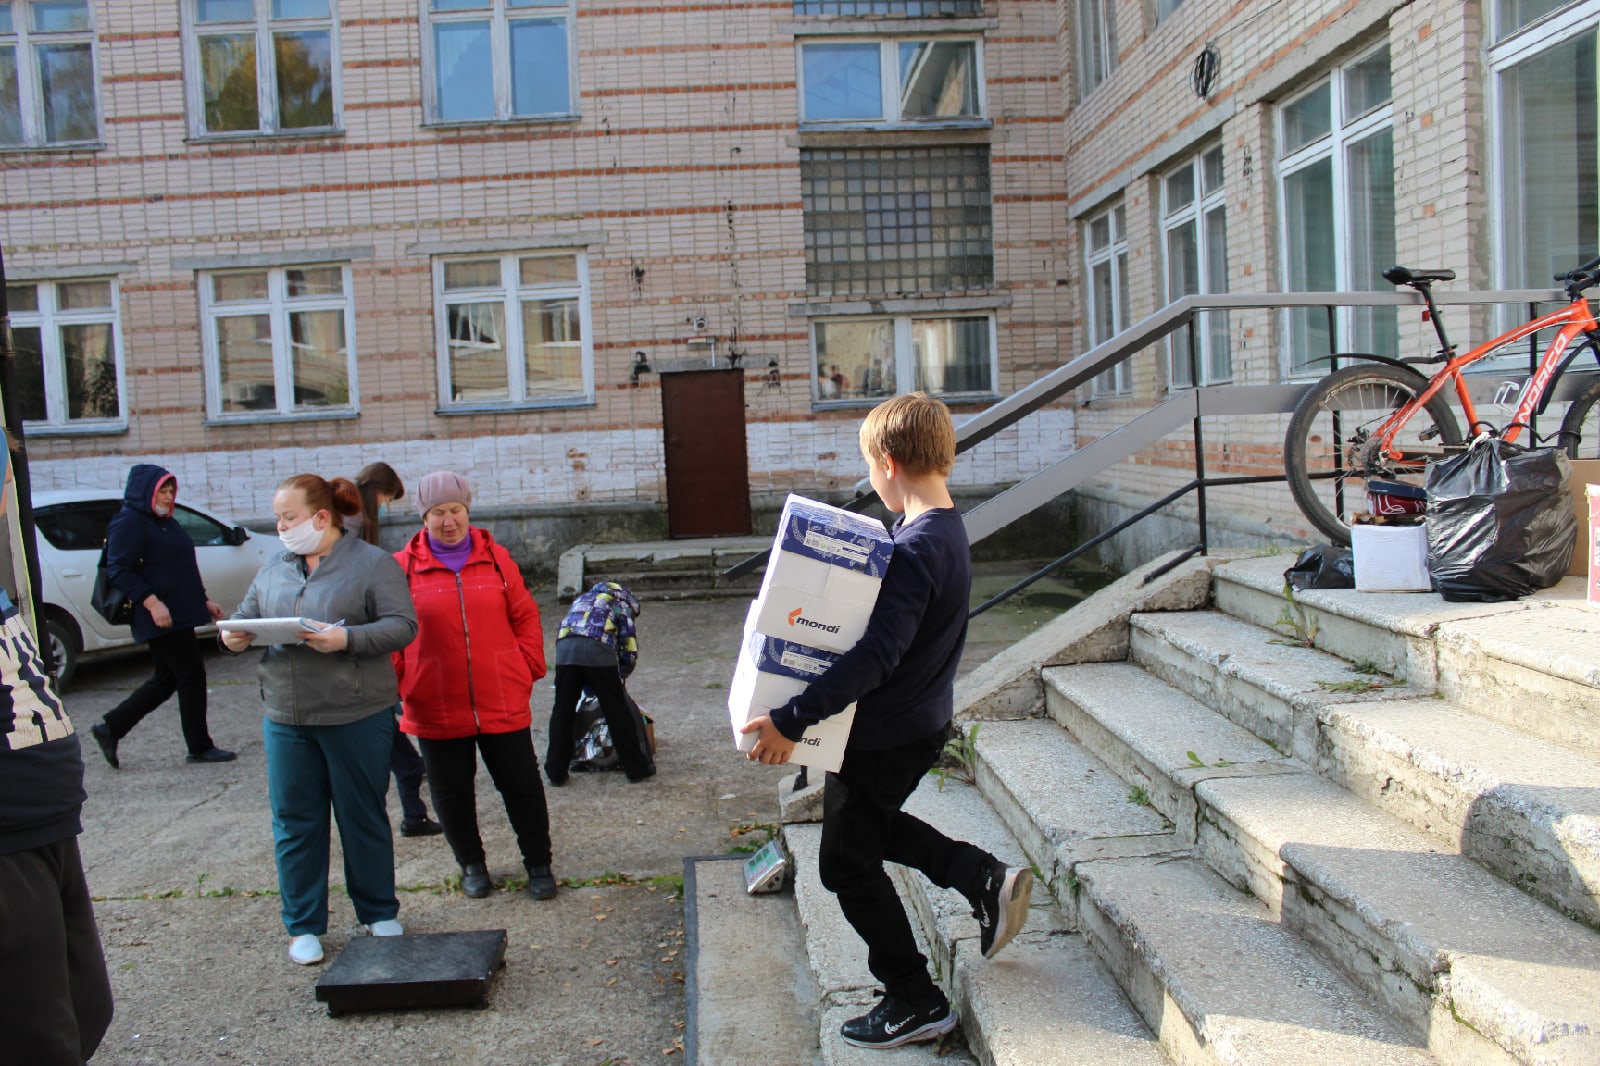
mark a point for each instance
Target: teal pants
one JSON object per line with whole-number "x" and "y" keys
{"x": 311, "y": 769}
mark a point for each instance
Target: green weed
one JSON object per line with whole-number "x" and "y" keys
{"x": 745, "y": 847}
{"x": 1195, "y": 762}
{"x": 959, "y": 758}
{"x": 1355, "y": 684}
{"x": 1300, "y": 623}
{"x": 1140, "y": 795}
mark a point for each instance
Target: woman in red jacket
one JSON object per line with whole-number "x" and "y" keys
{"x": 466, "y": 681}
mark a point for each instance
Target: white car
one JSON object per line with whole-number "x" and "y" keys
{"x": 72, "y": 530}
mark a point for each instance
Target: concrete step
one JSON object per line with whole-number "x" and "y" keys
{"x": 1153, "y": 736}
{"x": 1485, "y": 971}
{"x": 1538, "y": 671}
{"x": 838, "y": 964}
{"x": 1393, "y": 630}
{"x": 1062, "y": 805}
{"x": 1533, "y": 663}
{"x": 1045, "y": 998}
{"x": 1274, "y": 690}
{"x": 1219, "y": 980}
{"x": 1524, "y": 807}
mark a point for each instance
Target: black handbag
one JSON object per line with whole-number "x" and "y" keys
{"x": 108, "y": 601}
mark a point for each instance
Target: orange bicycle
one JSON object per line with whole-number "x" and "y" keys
{"x": 1381, "y": 419}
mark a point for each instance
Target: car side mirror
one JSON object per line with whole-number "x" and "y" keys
{"x": 238, "y": 535}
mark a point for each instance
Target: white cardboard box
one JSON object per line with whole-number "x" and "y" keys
{"x": 770, "y": 673}
{"x": 1391, "y": 558}
{"x": 823, "y": 575}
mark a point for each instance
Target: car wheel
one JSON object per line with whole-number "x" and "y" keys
{"x": 63, "y": 649}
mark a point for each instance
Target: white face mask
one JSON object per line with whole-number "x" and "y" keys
{"x": 302, "y": 539}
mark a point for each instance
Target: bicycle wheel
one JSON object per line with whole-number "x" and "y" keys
{"x": 1580, "y": 429}
{"x": 1330, "y": 450}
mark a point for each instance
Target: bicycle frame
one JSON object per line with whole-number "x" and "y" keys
{"x": 1575, "y": 319}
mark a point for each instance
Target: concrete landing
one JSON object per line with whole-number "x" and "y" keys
{"x": 751, "y": 951}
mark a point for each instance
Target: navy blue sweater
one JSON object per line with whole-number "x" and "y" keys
{"x": 147, "y": 553}
{"x": 901, "y": 674}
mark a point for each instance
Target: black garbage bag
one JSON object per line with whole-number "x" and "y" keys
{"x": 1322, "y": 566}
{"x": 1500, "y": 521}
{"x": 593, "y": 750}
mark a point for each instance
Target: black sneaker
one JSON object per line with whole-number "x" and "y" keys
{"x": 425, "y": 828}
{"x": 210, "y": 755}
{"x": 892, "y": 1023}
{"x": 108, "y": 743}
{"x": 1001, "y": 905}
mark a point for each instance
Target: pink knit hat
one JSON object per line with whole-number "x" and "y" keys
{"x": 442, "y": 486}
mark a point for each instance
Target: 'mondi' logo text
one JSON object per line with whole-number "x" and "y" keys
{"x": 797, "y": 619}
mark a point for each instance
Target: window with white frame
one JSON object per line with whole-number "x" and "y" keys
{"x": 1097, "y": 42}
{"x": 66, "y": 336}
{"x": 498, "y": 60}
{"x": 514, "y": 329}
{"x": 48, "y": 89}
{"x": 1195, "y": 236}
{"x": 1336, "y": 188}
{"x": 875, "y": 81}
{"x": 279, "y": 341}
{"x": 869, "y": 358}
{"x": 1106, "y": 247}
{"x": 262, "y": 66}
{"x": 1546, "y": 129}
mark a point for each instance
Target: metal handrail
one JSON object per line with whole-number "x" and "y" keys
{"x": 1230, "y": 399}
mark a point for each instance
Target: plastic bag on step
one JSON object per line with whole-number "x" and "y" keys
{"x": 1500, "y": 521}
{"x": 1322, "y": 566}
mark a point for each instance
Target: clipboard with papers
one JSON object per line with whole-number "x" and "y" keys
{"x": 276, "y": 630}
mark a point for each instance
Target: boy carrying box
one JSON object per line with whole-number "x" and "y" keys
{"x": 901, "y": 677}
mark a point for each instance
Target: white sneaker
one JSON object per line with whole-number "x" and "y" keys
{"x": 387, "y": 927}
{"x": 306, "y": 949}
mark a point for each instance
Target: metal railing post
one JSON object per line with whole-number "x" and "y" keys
{"x": 1338, "y": 423}
{"x": 1199, "y": 435}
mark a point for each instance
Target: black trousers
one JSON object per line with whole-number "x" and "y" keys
{"x": 180, "y": 668}
{"x": 862, "y": 828}
{"x": 57, "y": 1004}
{"x": 453, "y": 766}
{"x": 407, "y": 767}
{"x": 606, "y": 684}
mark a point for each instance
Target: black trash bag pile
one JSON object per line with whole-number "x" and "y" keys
{"x": 593, "y": 750}
{"x": 1322, "y": 566}
{"x": 1500, "y": 521}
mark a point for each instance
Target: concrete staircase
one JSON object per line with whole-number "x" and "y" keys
{"x": 1254, "y": 850}
{"x": 662, "y": 570}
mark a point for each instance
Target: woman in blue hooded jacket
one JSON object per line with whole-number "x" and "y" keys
{"x": 150, "y": 559}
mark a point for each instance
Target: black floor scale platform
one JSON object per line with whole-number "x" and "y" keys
{"x": 408, "y": 972}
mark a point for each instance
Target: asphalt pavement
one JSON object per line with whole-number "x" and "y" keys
{"x": 179, "y": 859}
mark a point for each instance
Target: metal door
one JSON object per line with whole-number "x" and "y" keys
{"x": 708, "y": 476}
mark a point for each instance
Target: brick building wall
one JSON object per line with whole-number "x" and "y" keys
{"x": 679, "y": 178}
{"x": 1126, "y": 133}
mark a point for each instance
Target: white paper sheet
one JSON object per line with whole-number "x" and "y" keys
{"x": 274, "y": 630}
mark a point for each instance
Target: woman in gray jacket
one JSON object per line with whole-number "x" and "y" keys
{"x": 328, "y": 725}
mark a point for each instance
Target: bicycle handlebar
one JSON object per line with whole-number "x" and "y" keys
{"x": 1585, "y": 272}
{"x": 1585, "y": 277}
